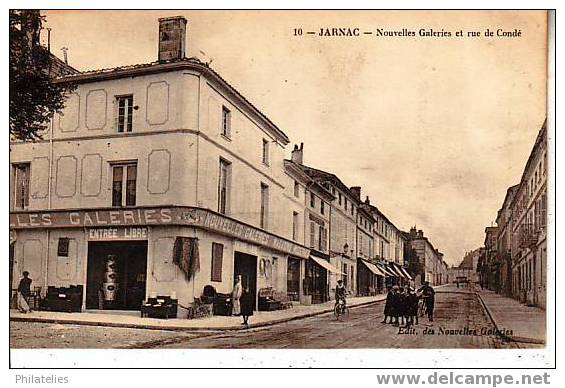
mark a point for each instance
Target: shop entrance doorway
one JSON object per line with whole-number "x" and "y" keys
{"x": 116, "y": 275}
{"x": 246, "y": 266}
{"x": 293, "y": 279}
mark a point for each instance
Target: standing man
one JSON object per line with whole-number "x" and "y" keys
{"x": 236, "y": 295}
{"x": 24, "y": 292}
{"x": 428, "y": 294}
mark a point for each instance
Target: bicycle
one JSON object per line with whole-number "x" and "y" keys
{"x": 422, "y": 309}
{"x": 340, "y": 309}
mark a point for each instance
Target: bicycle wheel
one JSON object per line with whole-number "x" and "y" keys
{"x": 337, "y": 311}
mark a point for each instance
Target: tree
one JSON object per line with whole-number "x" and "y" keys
{"x": 34, "y": 97}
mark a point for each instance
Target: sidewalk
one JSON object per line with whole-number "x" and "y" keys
{"x": 527, "y": 323}
{"x": 259, "y": 319}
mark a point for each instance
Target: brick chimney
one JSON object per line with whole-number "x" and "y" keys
{"x": 172, "y": 38}
{"x": 356, "y": 190}
{"x": 367, "y": 201}
{"x": 297, "y": 155}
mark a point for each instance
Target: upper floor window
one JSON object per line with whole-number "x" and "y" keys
{"x": 224, "y": 186}
{"x": 264, "y": 205}
{"x": 345, "y": 203}
{"x": 339, "y": 196}
{"x": 21, "y": 178}
{"x": 226, "y": 122}
{"x": 296, "y": 189}
{"x": 125, "y": 113}
{"x": 312, "y": 200}
{"x": 322, "y": 238}
{"x": 322, "y": 208}
{"x": 295, "y": 225}
{"x": 265, "y": 152}
{"x": 124, "y": 177}
{"x": 544, "y": 163}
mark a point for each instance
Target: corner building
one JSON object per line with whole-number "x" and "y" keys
{"x": 154, "y": 165}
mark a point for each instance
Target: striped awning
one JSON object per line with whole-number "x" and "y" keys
{"x": 326, "y": 265}
{"x": 373, "y": 268}
{"x": 387, "y": 270}
{"x": 406, "y": 274}
{"x": 398, "y": 269}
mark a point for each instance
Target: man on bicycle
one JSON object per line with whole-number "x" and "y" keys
{"x": 340, "y": 293}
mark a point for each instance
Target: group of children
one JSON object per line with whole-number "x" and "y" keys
{"x": 401, "y": 307}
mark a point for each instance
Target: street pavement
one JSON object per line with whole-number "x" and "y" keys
{"x": 460, "y": 322}
{"x": 528, "y": 323}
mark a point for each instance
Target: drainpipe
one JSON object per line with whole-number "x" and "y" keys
{"x": 50, "y": 164}
{"x": 46, "y": 266}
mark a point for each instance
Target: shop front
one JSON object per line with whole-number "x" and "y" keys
{"x": 120, "y": 257}
{"x": 368, "y": 275}
{"x": 317, "y": 272}
{"x": 116, "y": 270}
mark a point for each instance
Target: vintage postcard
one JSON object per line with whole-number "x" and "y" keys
{"x": 244, "y": 179}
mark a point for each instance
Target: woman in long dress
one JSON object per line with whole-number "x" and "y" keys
{"x": 388, "y": 306}
{"x": 236, "y": 295}
{"x": 246, "y": 306}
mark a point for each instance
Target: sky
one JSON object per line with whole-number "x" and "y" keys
{"x": 433, "y": 129}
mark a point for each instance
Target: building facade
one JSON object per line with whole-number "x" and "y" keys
{"x": 163, "y": 168}
{"x": 427, "y": 261}
{"x": 529, "y": 227}
{"x": 514, "y": 260}
{"x": 504, "y": 243}
{"x": 343, "y": 241}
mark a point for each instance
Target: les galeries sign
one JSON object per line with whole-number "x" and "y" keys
{"x": 149, "y": 216}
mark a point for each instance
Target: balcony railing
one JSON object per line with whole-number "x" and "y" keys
{"x": 527, "y": 236}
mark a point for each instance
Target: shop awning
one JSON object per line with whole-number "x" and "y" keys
{"x": 373, "y": 268}
{"x": 406, "y": 274}
{"x": 396, "y": 268}
{"x": 387, "y": 270}
{"x": 391, "y": 268}
{"x": 323, "y": 263}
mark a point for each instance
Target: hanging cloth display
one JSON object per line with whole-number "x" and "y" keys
{"x": 187, "y": 256}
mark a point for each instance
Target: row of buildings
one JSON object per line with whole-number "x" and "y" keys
{"x": 169, "y": 173}
{"x": 514, "y": 257}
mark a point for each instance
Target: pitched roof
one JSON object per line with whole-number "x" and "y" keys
{"x": 173, "y": 65}
{"x": 291, "y": 166}
{"x": 324, "y": 175}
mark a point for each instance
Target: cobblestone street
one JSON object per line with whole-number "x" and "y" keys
{"x": 361, "y": 329}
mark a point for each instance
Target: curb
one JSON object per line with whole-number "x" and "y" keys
{"x": 183, "y": 328}
{"x": 512, "y": 339}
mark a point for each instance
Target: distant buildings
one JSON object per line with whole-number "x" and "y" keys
{"x": 427, "y": 262}
{"x": 514, "y": 261}
{"x": 468, "y": 267}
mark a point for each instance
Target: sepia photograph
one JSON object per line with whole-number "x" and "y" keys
{"x": 280, "y": 179}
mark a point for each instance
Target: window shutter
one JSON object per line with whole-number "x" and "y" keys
{"x": 312, "y": 234}
{"x": 217, "y": 262}
{"x": 63, "y": 247}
